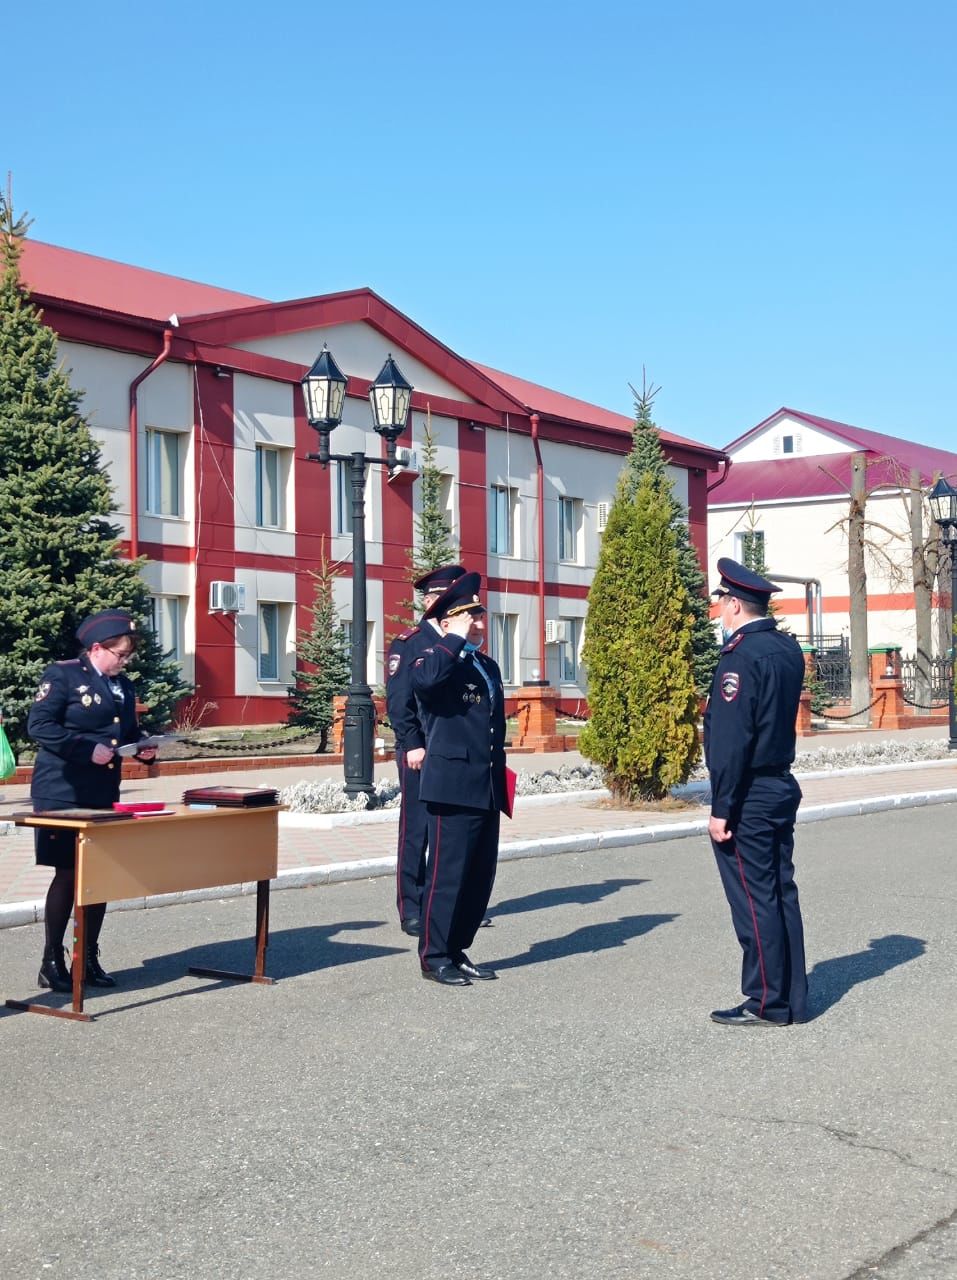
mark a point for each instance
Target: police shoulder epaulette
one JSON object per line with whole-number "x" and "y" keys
{"x": 67, "y": 662}
{"x": 406, "y": 635}
{"x": 734, "y": 641}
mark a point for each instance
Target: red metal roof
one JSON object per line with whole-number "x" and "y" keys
{"x": 826, "y": 475}
{"x": 553, "y": 404}
{"x": 115, "y": 286}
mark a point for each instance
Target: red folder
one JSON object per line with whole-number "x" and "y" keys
{"x": 511, "y": 778}
{"x": 143, "y": 806}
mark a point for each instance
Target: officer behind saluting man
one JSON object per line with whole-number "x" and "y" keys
{"x": 410, "y": 747}
{"x": 749, "y": 742}
{"x": 462, "y": 782}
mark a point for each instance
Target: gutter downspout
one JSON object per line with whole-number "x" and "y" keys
{"x": 540, "y": 471}
{"x": 134, "y": 443}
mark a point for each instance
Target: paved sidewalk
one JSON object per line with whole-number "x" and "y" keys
{"x": 316, "y": 848}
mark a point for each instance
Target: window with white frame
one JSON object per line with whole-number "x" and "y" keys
{"x": 343, "y": 498}
{"x": 269, "y": 641}
{"x": 164, "y": 473}
{"x": 270, "y": 487}
{"x": 502, "y": 634}
{"x": 749, "y": 548}
{"x": 569, "y": 525}
{"x": 167, "y": 614}
{"x": 568, "y": 650}
{"x": 501, "y": 519}
{"x": 347, "y": 633}
{"x": 447, "y": 500}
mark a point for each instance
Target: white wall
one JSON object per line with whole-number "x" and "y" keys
{"x": 263, "y": 415}
{"x": 807, "y": 441}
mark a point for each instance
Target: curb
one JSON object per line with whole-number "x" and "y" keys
{"x": 21, "y": 913}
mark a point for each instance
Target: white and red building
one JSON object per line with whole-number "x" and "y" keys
{"x": 789, "y": 483}
{"x": 193, "y": 394}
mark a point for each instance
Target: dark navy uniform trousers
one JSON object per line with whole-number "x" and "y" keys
{"x": 413, "y": 841}
{"x": 463, "y": 853}
{"x": 757, "y": 871}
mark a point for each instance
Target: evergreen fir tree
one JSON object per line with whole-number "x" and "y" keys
{"x": 647, "y": 457}
{"x": 328, "y": 672}
{"x": 60, "y": 557}
{"x": 434, "y": 544}
{"x": 638, "y": 649}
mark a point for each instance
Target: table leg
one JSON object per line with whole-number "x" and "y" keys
{"x": 78, "y": 968}
{"x": 261, "y": 941}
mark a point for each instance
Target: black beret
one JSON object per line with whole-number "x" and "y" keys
{"x": 438, "y": 579}
{"x": 461, "y": 597}
{"x": 108, "y": 624}
{"x": 744, "y": 584}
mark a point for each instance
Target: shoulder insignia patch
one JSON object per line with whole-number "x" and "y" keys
{"x": 406, "y": 635}
{"x": 734, "y": 641}
{"x": 42, "y": 692}
{"x": 394, "y": 661}
{"x": 730, "y": 685}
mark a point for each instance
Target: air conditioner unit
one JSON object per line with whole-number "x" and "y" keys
{"x": 227, "y": 597}
{"x": 406, "y": 466}
{"x": 555, "y": 631}
{"x": 603, "y": 509}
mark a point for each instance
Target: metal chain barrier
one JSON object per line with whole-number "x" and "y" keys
{"x": 226, "y": 745}
{"x": 925, "y": 706}
{"x": 848, "y": 715}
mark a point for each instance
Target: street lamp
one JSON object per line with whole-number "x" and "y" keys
{"x": 943, "y": 506}
{"x": 324, "y": 389}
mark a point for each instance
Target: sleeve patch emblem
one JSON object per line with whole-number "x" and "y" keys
{"x": 42, "y": 692}
{"x": 730, "y": 684}
{"x": 394, "y": 660}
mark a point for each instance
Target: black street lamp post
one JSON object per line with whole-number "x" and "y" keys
{"x": 943, "y": 505}
{"x": 324, "y": 388}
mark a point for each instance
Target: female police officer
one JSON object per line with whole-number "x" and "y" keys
{"x": 84, "y": 709}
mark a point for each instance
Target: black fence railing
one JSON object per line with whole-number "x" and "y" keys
{"x": 832, "y": 661}
{"x": 928, "y": 678}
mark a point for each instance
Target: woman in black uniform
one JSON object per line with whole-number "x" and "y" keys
{"x": 85, "y": 708}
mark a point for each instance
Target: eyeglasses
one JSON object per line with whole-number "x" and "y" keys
{"x": 121, "y": 655}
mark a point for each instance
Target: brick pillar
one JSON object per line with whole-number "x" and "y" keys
{"x": 536, "y": 712}
{"x": 337, "y": 731}
{"x": 892, "y": 711}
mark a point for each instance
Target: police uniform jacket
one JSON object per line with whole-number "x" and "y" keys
{"x": 749, "y": 724}
{"x": 465, "y": 725}
{"x": 404, "y": 715}
{"x": 74, "y": 710}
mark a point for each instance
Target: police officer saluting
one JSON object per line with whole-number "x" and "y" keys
{"x": 406, "y": 721}
{"x": 84, "y": 710}
{"x": 462, "y": 782}
{"x": 749, "y": 739}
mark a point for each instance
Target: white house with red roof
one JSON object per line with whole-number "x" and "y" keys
{"x": 193, "y": 394}
{"x": 789, "y": 484}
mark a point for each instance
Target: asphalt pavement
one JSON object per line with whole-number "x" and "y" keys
{"x": 580, "y": 1118}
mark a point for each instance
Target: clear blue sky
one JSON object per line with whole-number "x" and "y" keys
{"x": 754, "y": 200}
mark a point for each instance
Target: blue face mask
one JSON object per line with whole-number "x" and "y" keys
{"x": 469, "y": 647}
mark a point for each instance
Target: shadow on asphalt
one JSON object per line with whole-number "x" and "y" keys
{"x": 592, "y": 939}
{"x": 830, "y": 980}
{"x": 567, "y": 895}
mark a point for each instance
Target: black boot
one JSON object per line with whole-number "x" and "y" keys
{"x": 96, "y": 975}
{"x": 53, "y": 970}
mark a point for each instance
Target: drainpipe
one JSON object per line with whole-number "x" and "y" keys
{"x": 134, "y": 441}
{"x": 540, "y": 470}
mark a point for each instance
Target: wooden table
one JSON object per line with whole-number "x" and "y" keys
{"x": 188, "y": 849}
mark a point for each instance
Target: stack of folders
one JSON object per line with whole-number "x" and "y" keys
{"x": 231, "y": 797}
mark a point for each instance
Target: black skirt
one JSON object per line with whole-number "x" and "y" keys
{"x": 54, "y": 846}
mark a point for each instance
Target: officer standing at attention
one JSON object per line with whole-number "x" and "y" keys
{"x": 749, "y": 741}
{"x": 462, "y": 782}
{"x": 84, "y": 709}
{"x": 410, "y": 748}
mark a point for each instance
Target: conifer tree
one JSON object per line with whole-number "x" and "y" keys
{"x": 647, "y": 456}
{"x": 323, "y": 648}
{"x": 638, "y": 649}
{"x": 60, "y": 556}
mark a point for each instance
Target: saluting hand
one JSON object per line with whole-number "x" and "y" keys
{"x": 460, "y": 624}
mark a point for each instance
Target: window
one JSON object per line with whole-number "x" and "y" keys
{"x": 787, "y": 444}
{"x": 749, "y": 549}
{"x": 503, "y": 628}
{"x": 569, "y": 522}
{"x": 568, "y": 650}
{"x": 502, "y": 503}
{"x": 269, "y": 642}
{"x": 166, "y": 621}
{"x": 343, "y": 498}
{"x": 163, "y": 473}
{"x": 269, "y": 512}
{"x": 346, "y": 628}
{"x": 447, "y": 500}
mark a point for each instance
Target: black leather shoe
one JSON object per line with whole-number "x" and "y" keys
{"x": 412, "y": 926}
{"x": 96, "y": 975}
{"x": 446, "y": 976}
{"x": 474, "y": 971}
{"x": 54, "y": 972}
{"x": 741, "y": 1016}
{"x": 486, "y": 922}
